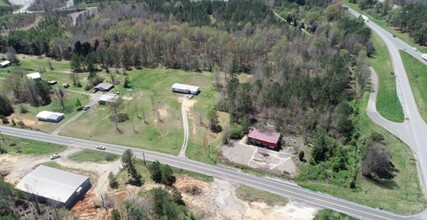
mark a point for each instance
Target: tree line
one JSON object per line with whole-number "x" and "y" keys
{"x": 410, "y": 17}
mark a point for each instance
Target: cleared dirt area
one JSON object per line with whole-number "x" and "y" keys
{"x": 218, "y": 200}
{"x": 209, "y": 200}
{"x": 281, "y": 162}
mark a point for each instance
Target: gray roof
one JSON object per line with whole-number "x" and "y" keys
{"x": 51, "y": 183}
{"x": 104, "y": 86}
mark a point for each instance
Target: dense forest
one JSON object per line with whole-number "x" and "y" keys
{"x": 410, "y": 16}
{"x": 307, "y": 68}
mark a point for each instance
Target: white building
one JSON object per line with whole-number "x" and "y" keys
{"x": 50, "y": 116}
{"x": 5, "y": 63}
{"x": 56, "y": 185}
{"x": 183, "y": 88}
{"x": 35, "y": 75}
{"x": 108, "y": 97}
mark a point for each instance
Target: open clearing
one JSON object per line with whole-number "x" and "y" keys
{"x": 154, "y": 112}
{"x": 260, "y": 158}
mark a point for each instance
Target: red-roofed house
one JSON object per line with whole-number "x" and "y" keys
{"x": 264, "y": 139}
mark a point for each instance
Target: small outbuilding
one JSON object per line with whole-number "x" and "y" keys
{"x": 264, "y": 139}
{"x": 183, "y": 88}
{"x": 49, "y": 116}
{"x": 34, "y": 76}
{"x": 5, "y": 63}
{"x": 50, "y": 184}
{"x": 104, "y": 87}
{"x": 108, "y": 97}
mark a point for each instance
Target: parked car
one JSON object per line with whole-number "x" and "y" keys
{"x": 86, "y": 107}
{"x": 100, "y": 147}
{"x": 54, "y": 156}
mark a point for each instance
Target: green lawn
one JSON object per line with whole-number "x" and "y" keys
{"x": 29, "y": 118}
{"x": 93, "y": 156}
{"x": 250, "y": 194}
{"x": 152, "y": 96}
{"x": 417, "y": 75}
{"x": 26, "y": 146}
{"x": 388, "y": 104}
{"x": 401, "y": 195}
{"x": 384, "y": 24}
{"x": 327, "y": 214}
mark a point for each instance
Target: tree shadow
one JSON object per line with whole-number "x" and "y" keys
{"x": 384, "y": 183}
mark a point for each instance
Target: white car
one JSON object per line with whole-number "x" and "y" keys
{"x": 414, "y": 48}
{"x": 86, "y": 107}
{"x": 100, "y": 147}
{"x": 54, "y": 156}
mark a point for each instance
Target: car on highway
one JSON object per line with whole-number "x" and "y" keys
{"x": 100, "y": 147}
{"x": 86, "y": 107}
{"x": 415, "y": 49}
{"x": 55, "y": 156}
{"x": 394, "y": 35}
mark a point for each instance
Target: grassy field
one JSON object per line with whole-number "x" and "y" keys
{"x": 26, "y": 146}
{"x": 152, "y": 97}
{"x": 388, "y": 104}
{"x": 250, "y": 194}
{"x": 417, "y": 75}
{"x": 93, "y": 156}
{"x": 384, "y": 24}
{"x": 401, "y": 195}
{"x": 327, "y": 214}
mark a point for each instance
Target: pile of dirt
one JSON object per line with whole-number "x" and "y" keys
{"x": 85, "y": 209}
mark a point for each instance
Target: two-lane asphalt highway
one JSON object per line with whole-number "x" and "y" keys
{"x": 415, "y": 123}
{"x": 279, "y": 187}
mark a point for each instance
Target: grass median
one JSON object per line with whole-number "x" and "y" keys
{"x": 388, "y": 104}
{"x": 417, "y": 75}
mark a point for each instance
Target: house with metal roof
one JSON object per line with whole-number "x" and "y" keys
{"x": 108, "y": 97}
{"x": 57, "y": 185}
{"x": 35, "y": 75}
{"x": 264, "y": 139}
{"x": 183, "y": 88}
{"x": 49, "y": 116}
{"x": 104, "y": 87}
{"x": 5, "y": 63}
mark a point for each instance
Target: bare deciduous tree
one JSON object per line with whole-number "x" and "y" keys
{"x": 60, "y": 95}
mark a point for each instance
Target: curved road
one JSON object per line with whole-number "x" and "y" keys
{"x": 414, "y": 128}
{"x": 275, "y": 186}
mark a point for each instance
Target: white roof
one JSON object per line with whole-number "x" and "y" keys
{"x": 185, "y": 87}
{"x": 49, "y": 115}
{"x": 35, "y": 75}
{"x": 4, "y": 63}
{"x": 424, "y": 56}
{"x": 108, "y": 97}
{"x": 51, "y": 183}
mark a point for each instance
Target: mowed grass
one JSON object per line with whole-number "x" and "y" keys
{"x": 250, "y": 194}
{"x": 27, "y": 146}
{"x": 151, "y": 96}
{"x": 401, "y": 195}
{"x": 417, "y": 75}
{"x": 29, "y": 118}
{"x": 388, "y": 104}
{"x": 93, "y": 156}
{"x": 384, "y": 24}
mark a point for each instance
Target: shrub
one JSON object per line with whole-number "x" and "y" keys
{"x": 88, "y": 87}
{"x": 23, "y": 109}
{"x": 110, "y": 157}
{"x": 5, "y": 121}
